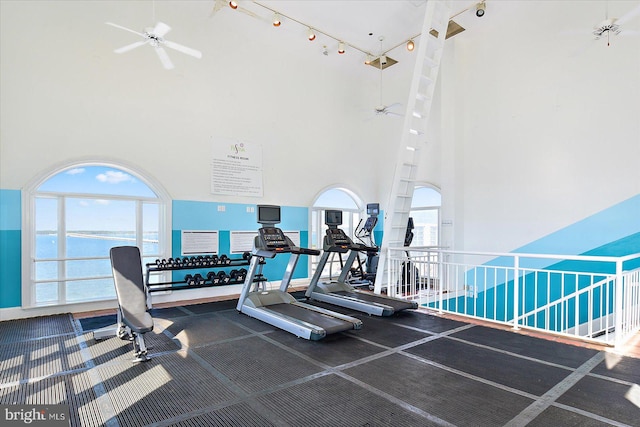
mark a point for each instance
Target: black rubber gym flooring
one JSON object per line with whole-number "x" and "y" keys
{"x": 212, "y": 366}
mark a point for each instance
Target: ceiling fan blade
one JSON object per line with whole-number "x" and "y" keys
{"x": 392, "y": 113}
{"x": 193, "y": 52}
{"x": 630, "y": 32}
{"x": 629, "y": 15}
{"x": 161, "y": 29}
{"x": 164, "y": 58}
{"x": 125, "y": 28}
{"x": 131, "y": 46}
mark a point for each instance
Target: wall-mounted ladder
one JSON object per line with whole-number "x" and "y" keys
{"x": 416, "y": 118}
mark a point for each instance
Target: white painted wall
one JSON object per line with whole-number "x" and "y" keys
{"x": 66, "y": 95}
{"x": 541, "y": 126}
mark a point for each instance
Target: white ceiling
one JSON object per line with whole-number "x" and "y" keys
{"x": 360, "y": 23}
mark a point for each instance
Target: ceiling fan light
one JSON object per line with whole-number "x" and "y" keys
{"x": 480, "y": 7}
{"x": 233, "y": 4}
{"x": 341, "y": 48}
{"x": 276, "y": 20}
{"x": 311, "y": 35}
{"x": 411, "y": 45}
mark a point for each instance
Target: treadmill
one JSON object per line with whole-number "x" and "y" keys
{"x": 277, "y": 307}
{"x": 341, "y": 293}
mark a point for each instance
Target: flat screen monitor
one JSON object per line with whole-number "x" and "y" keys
{"x": 332, "y": 217}
{"x": 370, "y": 223}
{"x": 373, "y": 209}
{"x": 268, "y": 214}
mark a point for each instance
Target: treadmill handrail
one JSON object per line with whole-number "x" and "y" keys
{"x": 304, "y": 251}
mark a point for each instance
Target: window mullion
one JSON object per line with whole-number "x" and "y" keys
{"x": 139, "y": 225}
{"x": 62, "y": 250}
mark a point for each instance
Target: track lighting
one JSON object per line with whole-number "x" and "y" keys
{"x": 233, "y": 4}
{"x": 410, "y": 45}
{"x": 311, "y": 35}
{"x": 341, "y": 48}
{"x": 276, "y": 20}
{"x": 480, "y": 9}
{"x": 368, "y": 59}
{"x": 383, "y": 60}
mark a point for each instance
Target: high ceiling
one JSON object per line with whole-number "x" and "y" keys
{"x": 360, "y": 24}
{"x": 365, "y": 26}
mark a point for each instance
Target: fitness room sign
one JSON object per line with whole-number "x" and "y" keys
{"x": 236, "y": 168}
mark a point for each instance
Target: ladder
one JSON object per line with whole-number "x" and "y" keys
{"x": 416, "y": 118}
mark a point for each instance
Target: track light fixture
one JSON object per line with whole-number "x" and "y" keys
{"x": 311, "y": 35}
{"x": 368, "y": 59}
{"x": 341, "y": 48}
{"x": 410, "y": 45}
{"x": 276, "y": 20}
{"x": 480, "y": 9}
{"x": 233, "y": 4}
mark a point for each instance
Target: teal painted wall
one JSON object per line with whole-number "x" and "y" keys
{"x": 10, "y": 245}
{"x": 190, "y": 215}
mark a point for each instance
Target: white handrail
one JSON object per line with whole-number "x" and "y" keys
{"x": 504, "y": 288}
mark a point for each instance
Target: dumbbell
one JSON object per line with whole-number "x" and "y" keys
{"x": 189, "y": 280}
{"x": 242, "y": 274}
{"x": 225, "y": 278}
{"x": 211, "y": 276}
{"x": 170, "y": 262}
{"x": 158, "y": 263}
{"x": 246, "y": 256}
{"x": 233, "y": 274}
{"x": 198, "y": 279}
{"x": 219, "y": 277}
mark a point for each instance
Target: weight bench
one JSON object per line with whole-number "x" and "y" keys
{"x": 133, "y": 318}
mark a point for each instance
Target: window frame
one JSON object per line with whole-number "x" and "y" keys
{"x": 437, "y": 209}
{"x": 30, "y": 195}
{"x": 350, "y": 217}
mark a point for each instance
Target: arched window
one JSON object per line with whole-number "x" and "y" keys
{"x": 425, "y": 211}
{"x": 333, "y": 198}
{"x": 78, "y": 214}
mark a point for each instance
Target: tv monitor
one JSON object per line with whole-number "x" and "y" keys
{"x": 410, "y": 225}
{"x": 373, "y": 209}
{"x": 332, "y": 217}
{"x": 370, "y": 223}
{"x": 268, "y": 214}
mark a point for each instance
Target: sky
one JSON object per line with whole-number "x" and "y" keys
{"x": 93, "y": 212}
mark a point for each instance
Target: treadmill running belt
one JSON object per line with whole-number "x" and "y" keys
{"x": 330, "y": 324}
{"x": 368, "y": 297}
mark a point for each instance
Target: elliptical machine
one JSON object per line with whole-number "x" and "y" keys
{"x": 410, "y": 273}
{"x": 364, "y": 233}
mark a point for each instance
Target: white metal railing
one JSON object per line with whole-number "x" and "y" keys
{"x": 587, "y": 297}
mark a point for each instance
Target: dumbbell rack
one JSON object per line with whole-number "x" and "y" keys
{"x": 206, "y": 280}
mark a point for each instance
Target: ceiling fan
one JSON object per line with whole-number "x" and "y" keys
{"x": 155, "y": 38}
{"x": 382, "y": 109}
{"x": 613, "y": 25}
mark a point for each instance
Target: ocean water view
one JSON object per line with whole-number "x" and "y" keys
{"x": 86, "y": 279}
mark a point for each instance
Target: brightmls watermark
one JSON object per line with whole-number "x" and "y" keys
{"x": 34, "y": 415}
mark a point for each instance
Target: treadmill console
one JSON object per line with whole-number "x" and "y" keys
{"x": 273, "y": 239}
{"x": 337, "y": 237}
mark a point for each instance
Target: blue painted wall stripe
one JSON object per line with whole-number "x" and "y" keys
{"x": 10, "y": 210}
